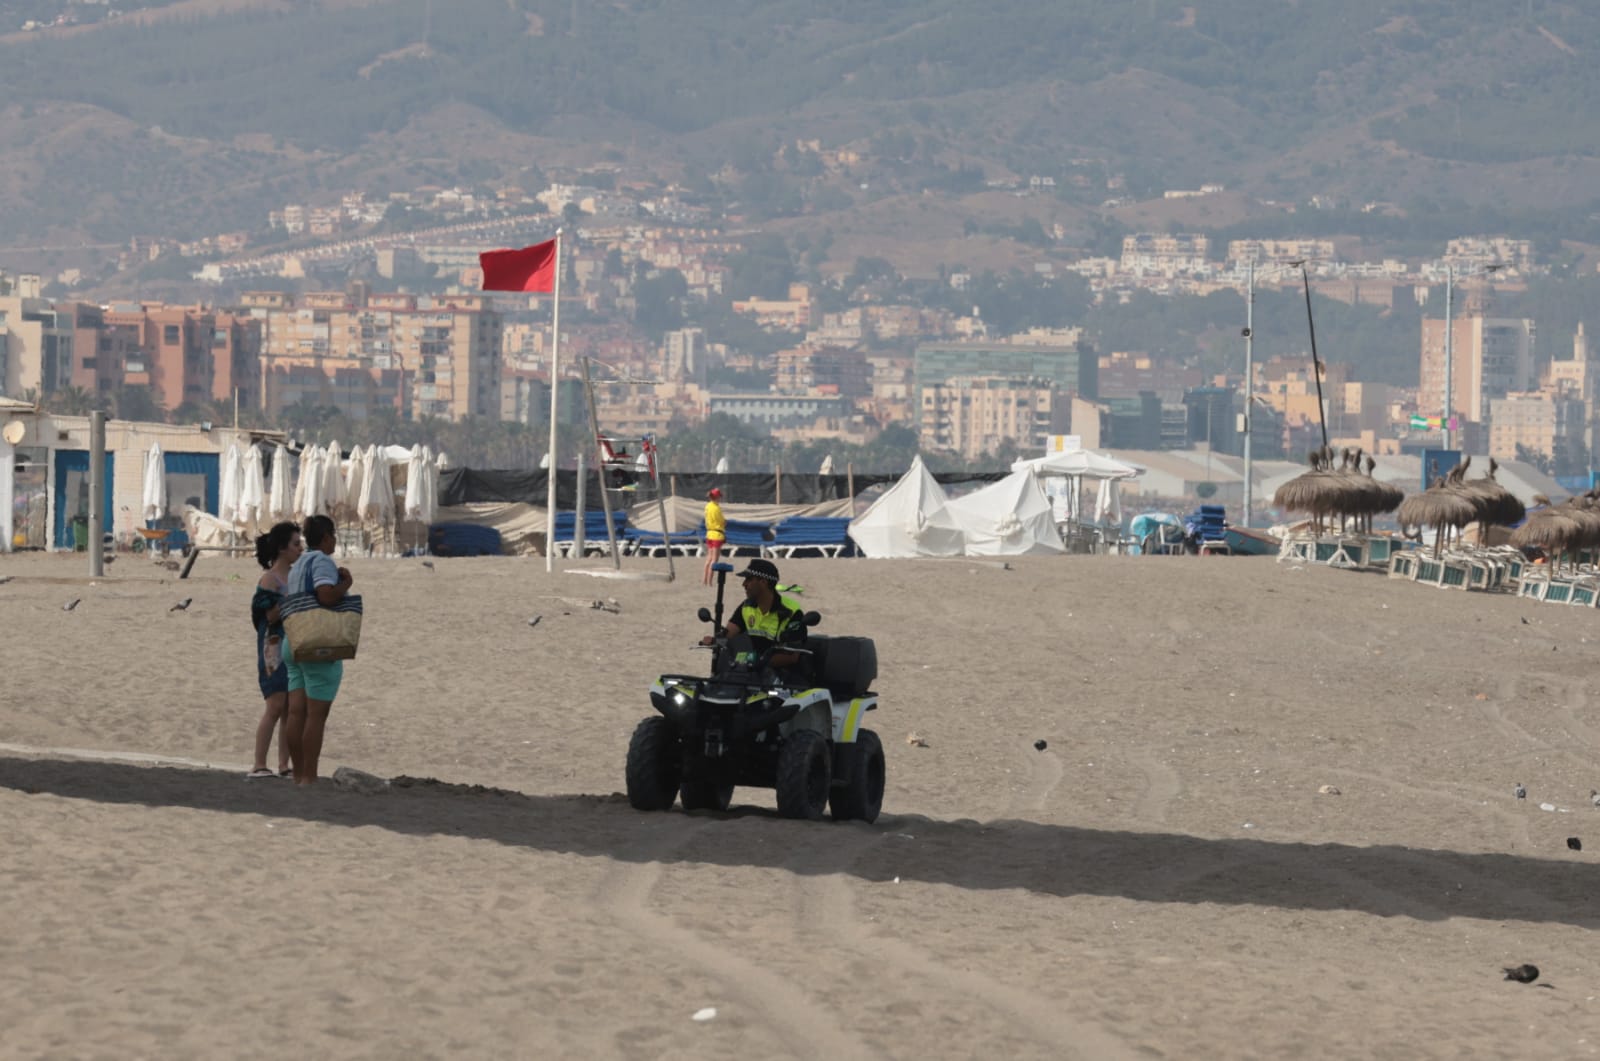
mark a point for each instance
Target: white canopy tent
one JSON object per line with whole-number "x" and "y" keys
{"x": 912, "y": 518}
{"x": 1063, "y": 476}
{"x": 1009, "y": 518}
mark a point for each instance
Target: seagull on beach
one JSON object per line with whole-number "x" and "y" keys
{"x": 181, "y": 606}
{"x": 428, "y": 564}
{"x": 1594, "y": 797}
{"x": 71, "y": 604}
{"x": 8, "y": 578}
{"x": 1519, "y": 791}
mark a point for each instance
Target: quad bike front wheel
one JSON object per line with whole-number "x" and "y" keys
{"x": 655, "y": 761}
{"x": 861, "y": 798}
{"x": 805, "y": 774}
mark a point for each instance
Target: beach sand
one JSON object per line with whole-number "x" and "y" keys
{"x": 1165, "y": 879}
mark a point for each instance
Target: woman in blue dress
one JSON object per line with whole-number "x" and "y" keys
{"x": 276, "y": 552}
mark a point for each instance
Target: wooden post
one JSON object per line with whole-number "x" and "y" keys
{"x": 777, "y": 480}
{"x": 850, "y": 481}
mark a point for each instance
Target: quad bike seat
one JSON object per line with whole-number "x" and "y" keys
{"x": 845, "y": 665}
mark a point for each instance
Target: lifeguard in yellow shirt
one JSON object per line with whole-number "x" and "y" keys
{"x": 716, "y": 531}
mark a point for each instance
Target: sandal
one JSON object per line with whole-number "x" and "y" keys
{"x": 285, "y": 773}
{"x": 257, "y": 775}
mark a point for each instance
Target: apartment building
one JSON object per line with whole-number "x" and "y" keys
{"x": 1072, "y": 369}
{"x": 976, "y": 415}
{"x": 825, "y": 369}
{"x": 1491, "y": 357}
{"x": 1148, "y": 252}
{"x": 1538, "y": 422}
{"x": 36, "y": 339}
{"x": 423, "y": 357}
{"x": 1262, "y": 251}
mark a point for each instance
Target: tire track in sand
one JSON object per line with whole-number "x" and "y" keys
{"x": 806, "y": 1027}
{"x": 825, "y": 901}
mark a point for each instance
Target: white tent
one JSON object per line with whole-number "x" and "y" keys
{"x": 1063, "y": 476}
{"x": 1082, "y": 463}
{"x": 912, "y": 518}
{"x": 1009, "y": 518}
{"x": 155, "y": 484}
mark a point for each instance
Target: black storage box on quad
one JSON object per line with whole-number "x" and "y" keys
{"x": 847, "y": 664}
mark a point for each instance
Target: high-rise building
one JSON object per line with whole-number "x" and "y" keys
{"x": 1490, "y": 357}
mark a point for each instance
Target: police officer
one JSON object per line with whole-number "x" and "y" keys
{"x": 768, "y": 619}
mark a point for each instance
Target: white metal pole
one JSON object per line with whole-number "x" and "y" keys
{"x": 555, "y": 407}
{"x": 1249, "y": 388}
{"x": 1449, "y": 299}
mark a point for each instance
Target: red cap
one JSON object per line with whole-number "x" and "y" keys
{"x": 715, "y": 494}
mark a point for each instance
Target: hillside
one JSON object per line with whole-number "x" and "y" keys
{"x": 203, "y": 114}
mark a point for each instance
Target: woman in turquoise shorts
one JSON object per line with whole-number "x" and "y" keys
{"x": 313, "y": 685}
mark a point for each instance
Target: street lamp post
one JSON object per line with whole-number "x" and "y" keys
{"x": 1449, "y": 346}
{"x": 1249, "y": 385}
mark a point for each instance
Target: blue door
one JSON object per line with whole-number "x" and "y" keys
{"x": 72, "y": 492}
{"x": 192, "y": 479}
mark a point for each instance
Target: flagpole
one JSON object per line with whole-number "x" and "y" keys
{"x": 555, "y": 395}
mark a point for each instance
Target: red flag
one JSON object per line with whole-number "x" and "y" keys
{"x": 529, "y": 269}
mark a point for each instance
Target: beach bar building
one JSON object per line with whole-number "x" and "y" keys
{"x": 44, "y": 475}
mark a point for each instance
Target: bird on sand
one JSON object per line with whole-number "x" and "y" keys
{"x": 181, "y": 606}
{"x": 1040, "y": 745}
{"x": 71, "y": 604}
{"x": 428, "y": 564}
{"x": 1522, "y": 974}
{"x": 1594, "y": 797}
{"x": 1519, "y": 791}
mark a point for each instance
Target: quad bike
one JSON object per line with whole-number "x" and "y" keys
{"x": 746, "y": 725}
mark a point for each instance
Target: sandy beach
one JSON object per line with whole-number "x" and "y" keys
{"x": 1165, "y": 879}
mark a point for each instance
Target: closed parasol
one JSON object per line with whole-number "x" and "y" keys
{"x": 154, "y": 504}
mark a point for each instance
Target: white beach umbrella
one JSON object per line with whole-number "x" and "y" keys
{"x": 376, "y": 503}
{"x": 252, "y": 491}
{"x": 722, "y": 466}
{"x": 279, "y": 507}
{"x": 155, "y": 484}
{"x": 228, "y": 487}
{"x": 354, "y": 471}
{"x": 442, "y": 461}
{"x": 430, "y": 486}
{"x": 827, "y": 465}
{"x": 416, "y": 475}
{"x": 308, "y": 485}
{"x": 335, "y": 498}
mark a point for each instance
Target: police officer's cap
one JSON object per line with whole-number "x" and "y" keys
{"x": 761, "y": 569}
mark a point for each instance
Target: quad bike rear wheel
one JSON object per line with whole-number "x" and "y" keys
{"x": 805, "y": 773}
{"x": 655, "y": 761}
{"x": 861, "y": 798}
